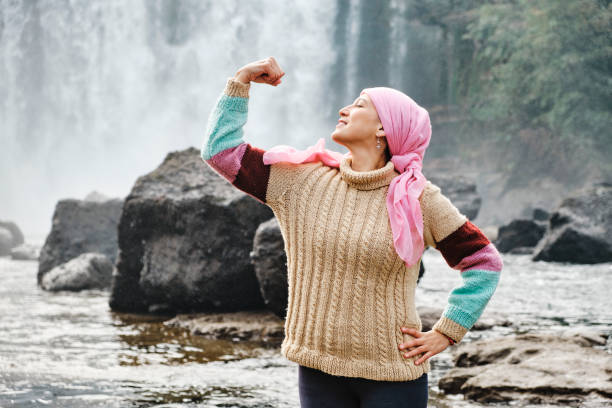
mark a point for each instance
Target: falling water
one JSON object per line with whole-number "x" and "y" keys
{"x": 94, "y": 94}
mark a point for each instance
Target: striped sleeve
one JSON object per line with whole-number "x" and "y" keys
{"x": 464, "y": 248}
{"x": 240, "y": 163}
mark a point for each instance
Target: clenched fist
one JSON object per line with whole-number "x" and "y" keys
{"x": 263, "y": 71}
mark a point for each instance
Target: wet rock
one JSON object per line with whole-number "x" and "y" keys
{"x": 79, "y": 227}
{"x": 270, "y": 262}
{"x": 25, "y": 252}
{"x": 257, "y": 325}
{"x": 185, "y": 235}
{"x": 86, "y": 271}
{"x": 554, "y": 368}
{"x": 580, "y": 229}
{"x": 519, "y": 233}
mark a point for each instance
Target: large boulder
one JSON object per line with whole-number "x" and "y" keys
{"x": 580, "y": 230}
{"x": 185, "y": 236}
{"x": 80, "y": 226}
{"x": 270, "y": 261}
{"x": 86, "y": 271}
{"x": 519, "y": 233}
{"x": 561, "y": 369}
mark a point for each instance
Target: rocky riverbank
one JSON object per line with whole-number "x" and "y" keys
{"x": 563, "y": 369}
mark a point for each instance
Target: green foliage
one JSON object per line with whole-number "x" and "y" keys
{"x": 544, "y": 64}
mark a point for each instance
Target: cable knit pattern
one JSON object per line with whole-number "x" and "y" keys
{"x": 349, "y": 292}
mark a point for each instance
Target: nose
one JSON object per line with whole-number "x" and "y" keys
{"x": 343, "y": 111}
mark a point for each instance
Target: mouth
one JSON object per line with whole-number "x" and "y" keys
{"x": 341, "y": 122}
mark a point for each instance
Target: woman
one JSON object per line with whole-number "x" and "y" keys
{"x": 354, "y": 228}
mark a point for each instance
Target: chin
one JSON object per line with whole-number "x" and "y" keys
{"x": 337, "y": 138}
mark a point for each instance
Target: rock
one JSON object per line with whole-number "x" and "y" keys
{"x": 540, "y": 214}
{"x": 580, "y": 229}
{"x": 461, "y": 191}
{"x": 185, "y": 235}
{"x": 552, "y": 368}
{"x": 258, "y": 325}
{"x": 16, "y": 234}
{"x": 25, "y": 252}
{"x": 519, "y": 233}
{"x": 80, "y": 227}
{"x": 86, "y": 271}
{"x": 270, "y": 262}
{"x": 6, "y": 241}
{"x": 591, "y": 337}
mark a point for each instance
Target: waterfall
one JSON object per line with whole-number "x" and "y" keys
{"x": 94, "y": 94}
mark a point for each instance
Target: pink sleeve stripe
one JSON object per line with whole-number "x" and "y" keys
{"x": 227, "y": 162}
{"x": 486, "y": 258}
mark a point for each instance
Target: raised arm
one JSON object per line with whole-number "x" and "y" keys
{"x": 224, "y": 148}
{"x": 464, "y": 248}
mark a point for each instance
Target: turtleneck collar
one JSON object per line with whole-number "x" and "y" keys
{"x": 367, "y": 180}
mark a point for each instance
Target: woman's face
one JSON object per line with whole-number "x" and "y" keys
{"x": 358, "y": 124}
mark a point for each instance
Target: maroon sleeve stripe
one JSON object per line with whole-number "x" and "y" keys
{"x": 462, "y": 242}
{"x": 253, "y": 175}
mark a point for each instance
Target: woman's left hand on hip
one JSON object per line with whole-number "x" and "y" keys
{"x": 429, "y": 342}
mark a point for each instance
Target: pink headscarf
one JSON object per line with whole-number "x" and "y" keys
{"x": 408, "y": 131}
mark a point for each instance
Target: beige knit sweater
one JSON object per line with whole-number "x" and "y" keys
{"x": 349, "y": 291}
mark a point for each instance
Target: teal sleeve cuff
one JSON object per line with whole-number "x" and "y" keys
{"x": 467, "y": 302}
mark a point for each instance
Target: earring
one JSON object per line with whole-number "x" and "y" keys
{"x": 378, "y": 146}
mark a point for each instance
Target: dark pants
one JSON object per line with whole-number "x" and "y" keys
{"x": 321, "y": 390}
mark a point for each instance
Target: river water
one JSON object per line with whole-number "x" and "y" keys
{"x": 69, "y": 349}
